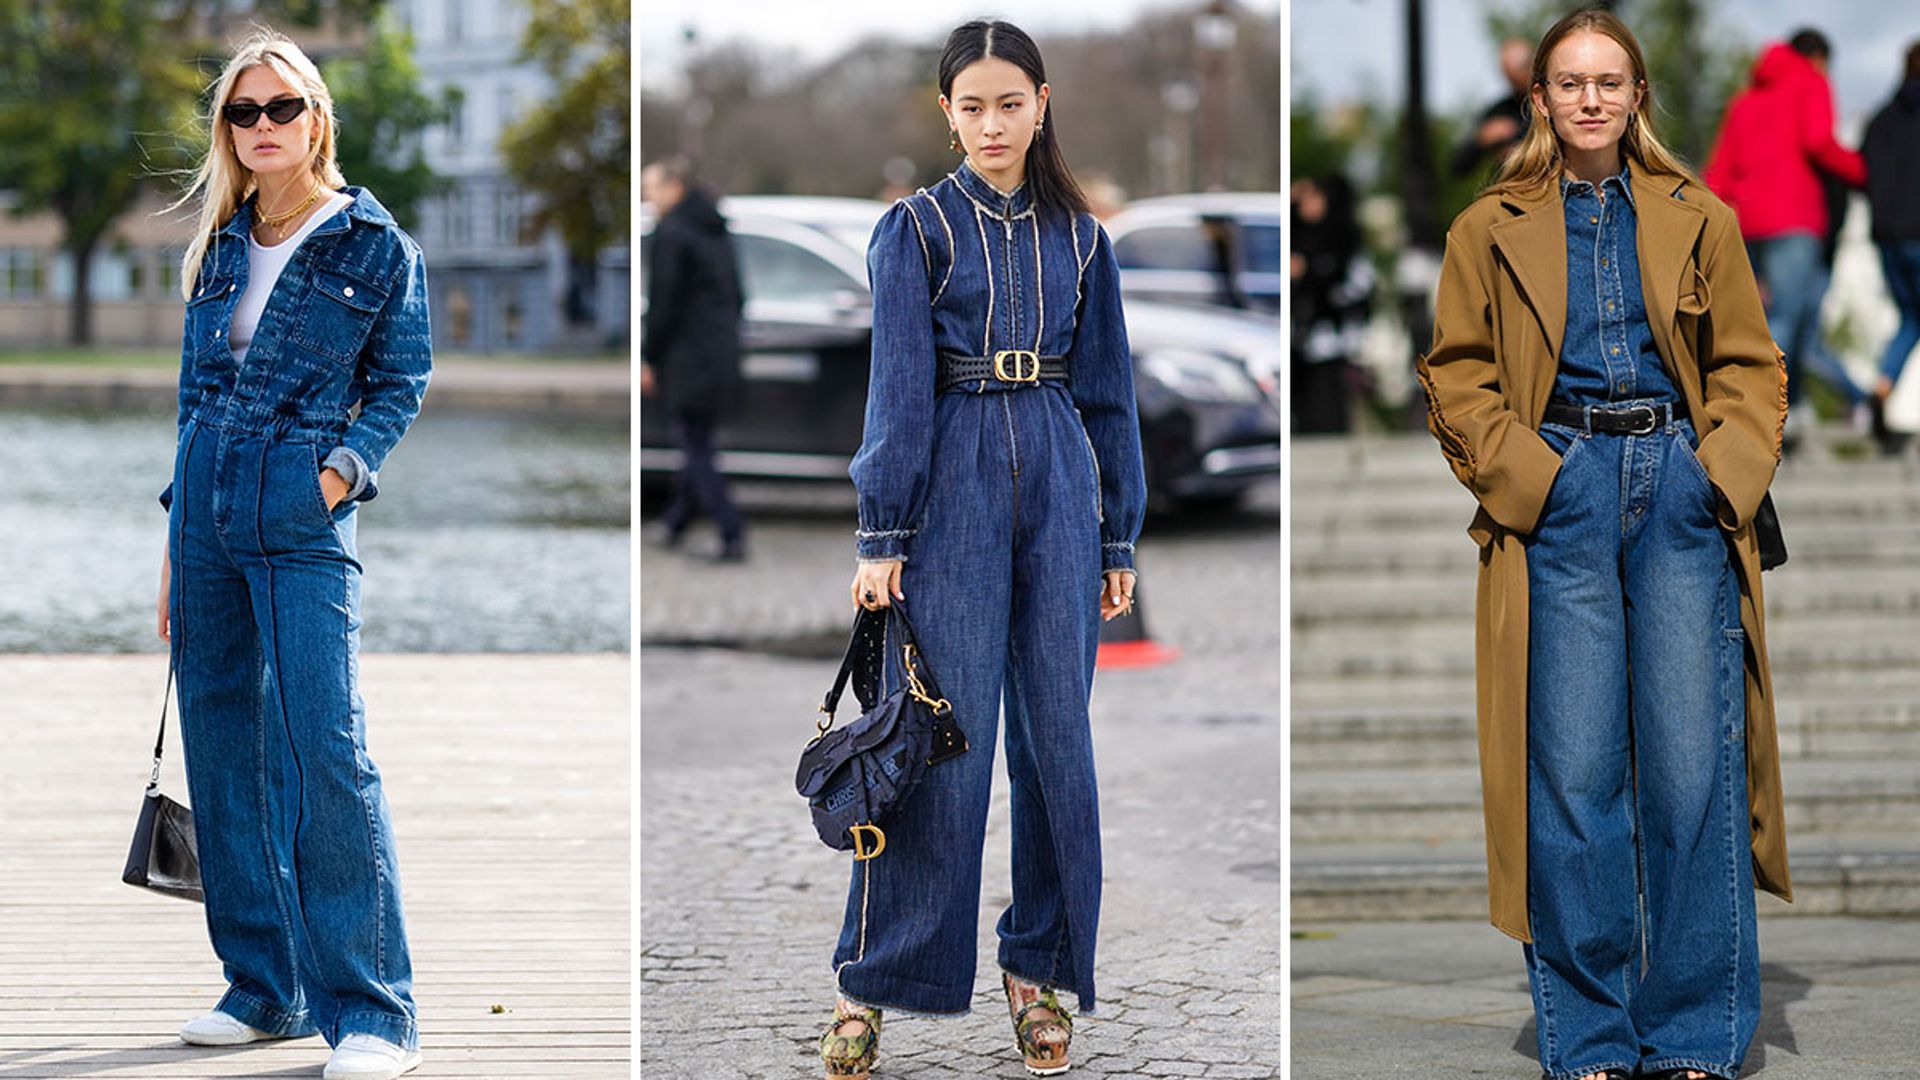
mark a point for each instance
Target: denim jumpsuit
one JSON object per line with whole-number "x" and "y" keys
{"x": 296, "y": 852}
{"x": 1007, "y": 501}
{"x": 1640, "y": 879}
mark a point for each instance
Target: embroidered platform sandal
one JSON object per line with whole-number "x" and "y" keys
{"x": 1042, "y": 1030}
{"x": 851, "y": 1042}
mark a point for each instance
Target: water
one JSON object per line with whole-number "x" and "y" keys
{"x": 492, "y": 533}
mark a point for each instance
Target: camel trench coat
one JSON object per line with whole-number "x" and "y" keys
{"x": 1499, "y": 318}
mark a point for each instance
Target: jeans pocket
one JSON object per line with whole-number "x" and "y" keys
{"x": 1099, "y": 506}
{"x": 1567, "y": 442}
{"x": 1709, "y": 493}
{"x": 318, "y": 489}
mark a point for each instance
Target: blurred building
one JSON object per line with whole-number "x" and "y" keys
{"x": 496, "y": 285}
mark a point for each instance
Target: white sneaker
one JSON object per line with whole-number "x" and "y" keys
{"x": 369, "y": 1057}
{"x": 218, "y": 1029}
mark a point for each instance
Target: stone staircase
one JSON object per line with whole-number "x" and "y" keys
{"x": 1385, "y": 784}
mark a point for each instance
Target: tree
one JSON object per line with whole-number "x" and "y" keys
{"x": 91, "y": 96}
{"x": 381, "y": 111}
{"x": 572, "y": 150}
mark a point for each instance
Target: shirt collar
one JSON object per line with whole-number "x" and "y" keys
{"x": 990, "y": 198}
{"x": 1620, "y": 183}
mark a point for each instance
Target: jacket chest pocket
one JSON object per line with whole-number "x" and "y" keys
{"x": 336, "y": 315}
{"x": 207, "y": 313}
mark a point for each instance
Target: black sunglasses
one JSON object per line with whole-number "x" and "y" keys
{"x": 280, "y": 110}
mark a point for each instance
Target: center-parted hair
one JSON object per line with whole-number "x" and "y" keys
{"x": 1048, "y": 177}
{"x": 1538, "y": 158}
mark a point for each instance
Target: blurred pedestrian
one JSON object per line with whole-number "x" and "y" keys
{"x": 1001, "y": 489}
{"x": 690, "y": 345}
{"x": 1892, "y": 150}
{"x": 1331, "y": 287}
{"x": 1774, "y": 145}
{"x": 1501, "y": 124}
{"x": 1602, "y": 380}
{"x": 303, "y": 300}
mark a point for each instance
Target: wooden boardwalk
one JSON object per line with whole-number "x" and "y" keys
{"x": 509, "y": 780}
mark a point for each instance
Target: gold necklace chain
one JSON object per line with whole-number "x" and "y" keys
{"x": 274, "y": 221}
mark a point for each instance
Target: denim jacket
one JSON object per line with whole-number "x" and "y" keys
{"x": 964, "y": 268}
{"x": 345, "y": 324}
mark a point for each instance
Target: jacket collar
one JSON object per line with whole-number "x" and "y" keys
{"x": 1001, "y": 204}
{"x": 1534, "y": 244}
{"x": 1621, "y": 182}
{"x": 364, "y": 207}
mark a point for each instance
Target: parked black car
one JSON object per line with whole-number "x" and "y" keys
{"x": 1209, "y": 427}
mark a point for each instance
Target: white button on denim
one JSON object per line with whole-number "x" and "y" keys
{"x": 347, "y": 291}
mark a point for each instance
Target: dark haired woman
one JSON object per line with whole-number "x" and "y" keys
{"x": 1000, "y": 490}
{"x": 1602, "y": 379}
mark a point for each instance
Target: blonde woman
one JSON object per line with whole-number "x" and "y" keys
{"x": 303, "y": 300}
{"x": 1602, "y": 379}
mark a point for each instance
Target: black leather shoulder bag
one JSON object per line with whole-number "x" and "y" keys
{"x": 164, "y": 857}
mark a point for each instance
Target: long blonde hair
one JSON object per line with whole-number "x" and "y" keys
{"x": 1538, "y": 159}
{"x": 221, "y": 181}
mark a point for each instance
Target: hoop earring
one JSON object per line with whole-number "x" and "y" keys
{"x": 953, "y": 141}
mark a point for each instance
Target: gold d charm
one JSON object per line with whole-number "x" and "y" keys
{"x": 861, "y": 853}
{"x": 1026, "y": 365}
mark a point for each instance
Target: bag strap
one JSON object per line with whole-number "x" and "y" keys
{"x": 160, "y": 740}
{"x": 866, "y": 652}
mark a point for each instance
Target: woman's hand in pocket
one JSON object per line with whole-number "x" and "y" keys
{"x": 333, "y": 487}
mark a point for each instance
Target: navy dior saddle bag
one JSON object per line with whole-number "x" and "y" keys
{"x": 854, "y": 778}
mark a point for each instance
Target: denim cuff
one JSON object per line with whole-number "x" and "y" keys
{"x": 352, "y": 468}
{"x": 1116, "y": 555}
{"x": 882, "y": 544}
{"x": 882, "y": 558}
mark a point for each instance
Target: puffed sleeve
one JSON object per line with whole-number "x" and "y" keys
{"x": 890, "y": 470}
{"x": 1506, "y": 464}
{"x": 394, "y": 369}
{"x": 1101, "y": 368}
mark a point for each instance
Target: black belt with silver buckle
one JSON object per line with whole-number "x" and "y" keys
{"x": 1006, "y": 369}
{"x": 1631, "y": 420}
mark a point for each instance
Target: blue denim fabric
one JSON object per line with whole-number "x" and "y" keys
{"x": 1900, "y": 263}
{"x": 1789, "y": 268}
{"x": 297, "y": 854}
{"x": 345, "y": 324}
{"x": 1004, "y": 587}
{"x": 1640, "y": 880}
{"x": 963, "y": 268}
{"x": 1608, "y": 352}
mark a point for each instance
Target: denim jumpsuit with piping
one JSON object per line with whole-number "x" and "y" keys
{"x": 1637, "y": 827}
{"x": 1007, "y": 501}
{"x": 296, "y": 851}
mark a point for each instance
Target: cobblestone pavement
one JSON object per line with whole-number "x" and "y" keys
{"x": 740, "y": 903}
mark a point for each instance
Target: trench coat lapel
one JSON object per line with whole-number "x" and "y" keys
{"x": 1665, "y": 235}
{"x": 1534, "y": 245}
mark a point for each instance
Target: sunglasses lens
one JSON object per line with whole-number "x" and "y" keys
{"x": 243, "y": 115}
{"x": 285, "y": 109}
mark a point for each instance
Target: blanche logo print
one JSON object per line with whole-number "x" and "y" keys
{"x": 393, "y": 626}
{"x": 947, "y": 358}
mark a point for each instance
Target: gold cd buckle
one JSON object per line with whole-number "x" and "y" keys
{"x": 1026, "y": 365}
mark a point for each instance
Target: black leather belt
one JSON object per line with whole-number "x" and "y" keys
{"x": 1629, "y": 420}
{"x": 1005, "y": 370}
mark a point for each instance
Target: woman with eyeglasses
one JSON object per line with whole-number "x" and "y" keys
{"x": 304, "y": 299}
{"x": 1602, "y": 380}
{"x": 1001, "y": 489}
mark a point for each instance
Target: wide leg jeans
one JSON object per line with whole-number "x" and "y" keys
{"x": 297, "y": 854}
{"x": 1640, "y": 881}
{"x": 1003, "y": 580}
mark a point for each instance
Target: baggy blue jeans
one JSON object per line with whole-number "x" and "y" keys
{"x": 1640, "y": 881}
{"x": 296, "y": 852}
{"x": 1789, "y": 266}
{"x": 1003, "y": 579}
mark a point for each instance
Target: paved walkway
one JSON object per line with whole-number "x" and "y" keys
{"x": 1840, "y": 1000}
{"x": 740, "y": 903}
{"x": 509, "y": 781}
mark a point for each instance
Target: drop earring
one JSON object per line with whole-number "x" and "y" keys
{"x": 953, "y": 141}
{"x": 1039, "y": 131}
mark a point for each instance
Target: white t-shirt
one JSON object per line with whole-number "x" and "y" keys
{"x": 263, "y": 271}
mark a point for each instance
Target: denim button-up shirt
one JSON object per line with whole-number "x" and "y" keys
{"x": 1607, "y": 353}
{"x": 965, "y": 268}
{"x": 345, "y": 324}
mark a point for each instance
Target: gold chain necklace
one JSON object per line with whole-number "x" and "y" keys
{"x": 274, "y": 221}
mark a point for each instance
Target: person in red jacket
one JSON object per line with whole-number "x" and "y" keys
{"x": 1775, "y": 144}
